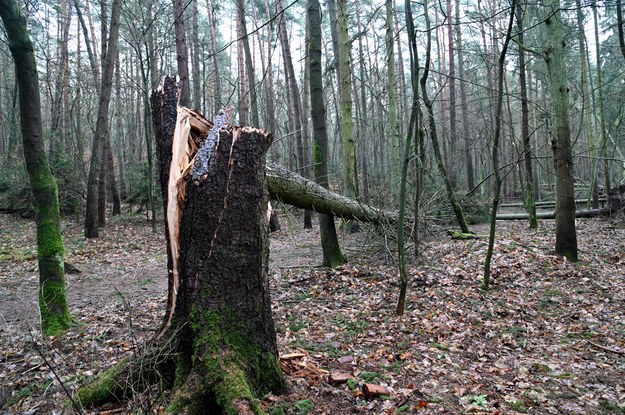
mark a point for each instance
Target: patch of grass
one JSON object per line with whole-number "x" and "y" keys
{"x": 326, "y": 347}
{"x": 356, "y": 327}
{"x": 442, "y": 347}
{"x": 370, "y": 377}
{"x": 278, "y": 410}
{"x": 295, "y": 325}
{"x": 18, "y": 255}
{"x": 479, "y": 400}
{"x": 352, "y": 384}
{"x": 304, "y": 407}
{"x": 552, "y": 293}
{"x": 27, "y": 392}
{"x": 611, "y": 407}
{"x": 146, "y": 281}
{"x": 515, "y": 329}
{"x": 582, "y": 335}
{"x": 519, "y": 406}
{"x": 303, "y": 296}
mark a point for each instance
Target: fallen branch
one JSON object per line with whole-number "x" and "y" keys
{"x": 607, "y": 349}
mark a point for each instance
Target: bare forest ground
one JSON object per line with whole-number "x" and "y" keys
{"x": 549, "y": 338}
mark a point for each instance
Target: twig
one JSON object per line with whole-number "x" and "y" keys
{"x": 69, "y": 395}
{"x": 607, "y": 349}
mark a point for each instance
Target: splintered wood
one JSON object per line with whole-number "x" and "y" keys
{"x": 297, "y": 365}
{"x": 190, "y": 126}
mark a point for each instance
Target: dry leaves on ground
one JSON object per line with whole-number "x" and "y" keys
{"x": 548, "y": 338}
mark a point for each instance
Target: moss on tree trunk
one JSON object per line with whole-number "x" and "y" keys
{"x": 55, "y": 315}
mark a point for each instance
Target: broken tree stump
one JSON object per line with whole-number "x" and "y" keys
{"x": 223, "y": 348}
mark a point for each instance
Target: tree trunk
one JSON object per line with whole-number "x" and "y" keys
{"x": 227, "y": 351}
{"x": 457, "y": 209}
{"x": 466, "y": 126}
{"x": 530, "y": 203}
{"x": 332, "y": 255}
{"x": 602, "y": 127}
{"x": 293, "y": 189}
{"x": 619, "y": 26}
{"x": 213, "y": 57}
{"x": 303, "y": 159}
{"x": 566, "y": 236}
{"x": 249, "y": 67}
{"x": 195, "y": 70}
{"x": 182, "y": 53}
{"x": 495, "y": 150}
{"x": 55, "y": 315}
{"x": 102, "y": 128}
{"x": 452, "y": 95}
{"x": 392, "y": 100}
{"x": 345, "y": 91}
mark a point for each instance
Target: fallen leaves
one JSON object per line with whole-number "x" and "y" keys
{"x": 549, "y": 336}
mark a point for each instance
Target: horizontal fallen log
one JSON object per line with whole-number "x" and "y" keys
{"x": 546, "y": 203}
{"x": 293, "y": 189}
{"x": 590, "y": 213}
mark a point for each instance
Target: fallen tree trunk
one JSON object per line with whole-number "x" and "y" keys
{"x": 590, "y": 213}
{"x": 293, "y": 189}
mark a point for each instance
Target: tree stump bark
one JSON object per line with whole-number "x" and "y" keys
{"x": 228, "y": 343}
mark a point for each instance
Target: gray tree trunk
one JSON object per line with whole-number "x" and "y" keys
{"x": 102, "y": 127}
{"x": 566, "y": 236}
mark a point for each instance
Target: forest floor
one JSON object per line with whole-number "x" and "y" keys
{"x": 549, "y": 337}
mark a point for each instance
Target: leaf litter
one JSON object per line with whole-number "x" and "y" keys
{"x": 549, "y": 338}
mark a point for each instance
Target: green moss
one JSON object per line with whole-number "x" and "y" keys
{"x": 105, "y": 388}
{"x": 316, "y": 153}
{"x": 55, "y": 317}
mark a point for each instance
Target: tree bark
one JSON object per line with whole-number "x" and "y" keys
{"x": 182, "y": 53}
{"x": 332, "y": 255}
{"x": 55, "y": 315}
{"x": 566, "y": 236}
{"x": 530, "y": 203}
{"x": 102, "y": 127}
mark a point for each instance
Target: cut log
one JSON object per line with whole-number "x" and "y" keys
{"x": 373, "y": 391}
{"x": 291, "y": 188}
